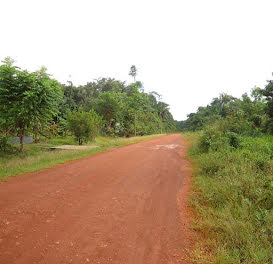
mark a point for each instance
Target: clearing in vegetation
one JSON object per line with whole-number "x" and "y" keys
{"x": 128, "y": 205}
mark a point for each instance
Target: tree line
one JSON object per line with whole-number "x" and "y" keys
{"x": 249, "y": 115}
{"x": 33, "y": 103}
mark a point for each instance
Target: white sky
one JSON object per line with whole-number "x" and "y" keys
{"x": 189, "y": 50}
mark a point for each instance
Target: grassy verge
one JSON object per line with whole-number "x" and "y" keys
{"x": 38, "y": 156}
{"x": 233, "y": 199}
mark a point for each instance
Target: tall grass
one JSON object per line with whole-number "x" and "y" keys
{"x": 39, "y": 156}
{"x": 233, "y": 199}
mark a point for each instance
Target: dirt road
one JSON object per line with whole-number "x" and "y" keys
{"x": 126, "y": 206}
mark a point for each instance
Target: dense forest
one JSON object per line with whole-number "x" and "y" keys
{"x": 34, "y": 104}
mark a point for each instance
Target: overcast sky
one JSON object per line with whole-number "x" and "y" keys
{"x": 187, "y": 50}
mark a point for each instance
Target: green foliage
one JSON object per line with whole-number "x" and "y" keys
{"x": 34, "y": 104}
{"x": 215, "y": 138}
{"x": 233, "y": 139}
{"x": 244, "y": 116}
{"x": 84, "y": 125}
{"x": 27, "y": 99}
{"x": 126, "y": 109}
{"x": 233, "y": 187}
{"x": 233, "y": 197}
{"x": 268, "y": 93}
{"x": 108, "y": 106}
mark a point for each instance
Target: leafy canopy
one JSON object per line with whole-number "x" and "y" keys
{"x": 27, "y": 98}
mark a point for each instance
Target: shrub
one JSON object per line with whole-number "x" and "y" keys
{"x": 233, "y": 139}
{"x": 212, "y": 138}
{"x": 84, "y": 125}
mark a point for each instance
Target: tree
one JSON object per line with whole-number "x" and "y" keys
{"x": 125, "y": 108}
{"x": 133, "y": 72}
{"x": 162, "y": 110}
{"x": 134, "y": 104}
{"x": 27, "y": 98}
{"x": 268, "y": 93}
{"x": 108, "y": 106}
{"x": 84, "y": 125}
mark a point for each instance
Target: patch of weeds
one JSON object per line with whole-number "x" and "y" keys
{"x": 233, "y": 197}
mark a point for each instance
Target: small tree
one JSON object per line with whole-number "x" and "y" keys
{"x": 84, "y": 125}
{"x": 27, "y": 98}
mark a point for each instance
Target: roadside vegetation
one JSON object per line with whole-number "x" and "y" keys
{"x": 233, "y": 197}
{"x": 105, "y": 112}
{"x": 232, "y": 150}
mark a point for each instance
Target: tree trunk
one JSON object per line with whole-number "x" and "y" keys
{"x": 80, "y": 141}
{"x": 22, "y": 133}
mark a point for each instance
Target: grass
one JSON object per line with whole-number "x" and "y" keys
{"x": 233, "y": 199}
{"x": 38, "y": 156}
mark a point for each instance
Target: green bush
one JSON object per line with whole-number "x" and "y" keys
{"x": 84, "y": 125}
{"x": 233, "y": 139}
{"x": 212, "y": 138}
